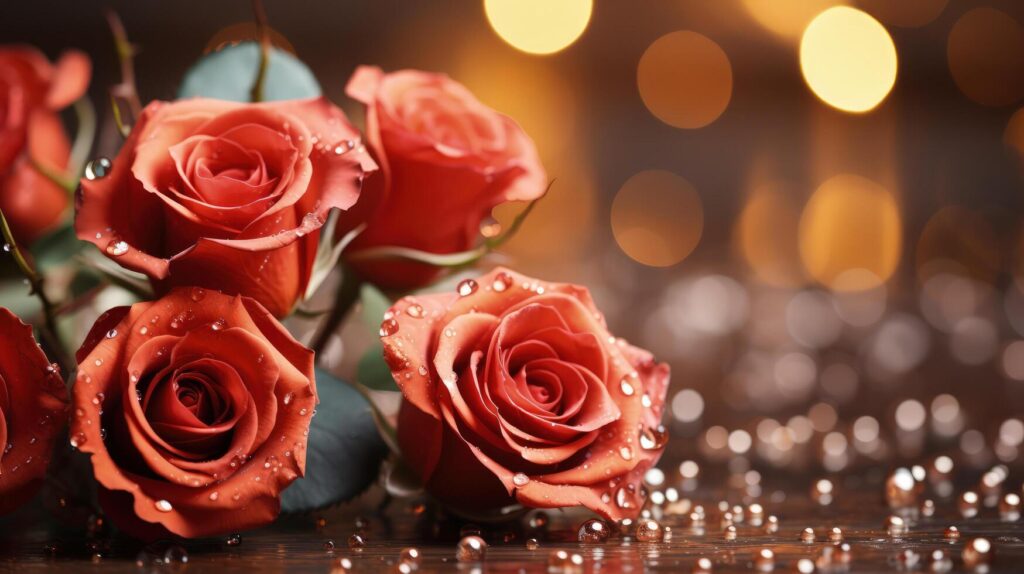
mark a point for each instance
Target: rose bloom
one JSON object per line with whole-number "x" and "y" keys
{"x": 446, "y": 161}
{"x": 226, "y": 195}
{"x": 32, "y": 93}
{"x": 195, "y": 409}
{"x": 514, "y": 390}
{"x": 33, "y": 412}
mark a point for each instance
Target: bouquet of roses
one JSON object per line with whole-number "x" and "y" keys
{"x": 227, "y": 211}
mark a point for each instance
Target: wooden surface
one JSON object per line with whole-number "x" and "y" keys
{"x": 297, "y": 544}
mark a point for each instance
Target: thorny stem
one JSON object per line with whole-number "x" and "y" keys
{"x": 263, "y": 31}
{"x": 125, "y": 91}
{"x": 49, "y": 332}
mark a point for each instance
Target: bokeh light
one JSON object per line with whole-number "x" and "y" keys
{"x": 657, "y": 218}
{"x": 904, "y": 13}
{"x": 958, "y": 240}
{"x": 986, "y": 56}
{"x": 786, "y": 18}
{"x": 1013, "y": 360}
{"x": 685, "y": 79}
{"x": 848, "y": 59}
{"x": 1014, "y": 134}
{"x": 766, "y": 235}
{"x": 850, "y": 223}
{"x": 539, "y": 26}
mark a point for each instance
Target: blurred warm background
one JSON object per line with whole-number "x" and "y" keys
{"x": 813, "y": 209}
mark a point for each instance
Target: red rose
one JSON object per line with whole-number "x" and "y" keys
{"x": 195, "y": 409}
{"x": 515, "y": 391}
{"x": 33, "y": 411}
{"x": 32, "y": 92}
{"x": 226, "y": 195}
{"x": 446, "y": 161}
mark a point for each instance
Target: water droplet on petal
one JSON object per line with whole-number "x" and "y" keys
{"x": 97, "y": 168}
{"x": 163, "y": 506}
{"x": 520, "y": 479}
{"x": 117, "y": 247}
{"x": 627, "y": 387}
{"x": 388, "y": 327}
{"x": 502, "y": 281}
{"x": 466, "y": 287}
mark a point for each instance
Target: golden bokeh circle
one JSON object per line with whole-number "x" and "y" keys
{"x": 685, "y": 79}
{"x": 904, "y": 13}
{"x": 786, "y": 18}
{"x": 986, "y": 56}
{"x": 657, "y": 218}
{"x": 850, "y": 223}
{"x": 539, "y": 26}
{"x": 848, "y": 59}
{"x": 765, "y": 235}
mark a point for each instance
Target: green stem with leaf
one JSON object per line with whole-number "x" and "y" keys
{"x": 35, "y": 281}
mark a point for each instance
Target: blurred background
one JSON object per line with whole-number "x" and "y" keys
{"x": 812, "y": 209}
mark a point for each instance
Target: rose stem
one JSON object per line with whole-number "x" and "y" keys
{"x": 263, "y": 32}
{"x": 344, "y": 299}
{"x": 35, "y": 281}
{"x": 126, "y": 91}
{"x": 84, "y": 136}
{"x": 80, "y": 149}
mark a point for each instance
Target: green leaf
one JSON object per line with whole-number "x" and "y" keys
{"x": 374, "y": 304}
{"x": 344, "y": 452}
{"x": 328, "y": 252}
{"x": 373, "y": 372}
{"x": 228, "y": 74}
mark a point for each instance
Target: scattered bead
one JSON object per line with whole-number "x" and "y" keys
{"x": 977, "y": 553}
{"x": 648, "y": 530}
{"x": 471, "y": 549}
{"x": 968, "y": 504}
{"x": 764, "y": 560}
{"x": 593, "y": 531}
{"x": 562, "y": 562}
{"x": 356, "y": 542}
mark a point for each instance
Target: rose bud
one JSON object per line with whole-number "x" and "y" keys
{"x": 446, "y": 161}
{"x": 514, "y": 390}
{"x": 226, "y": 195}
{"x": 33, "y": 412}
{"x": 195, "y": 409}
{"x": 32, "y": 93}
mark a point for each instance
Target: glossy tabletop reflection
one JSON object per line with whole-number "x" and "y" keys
{"x": 731, "y": 530}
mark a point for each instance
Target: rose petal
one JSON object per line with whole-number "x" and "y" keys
{"x": 70, "y": 79}
{"x": 33, "y": 412}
